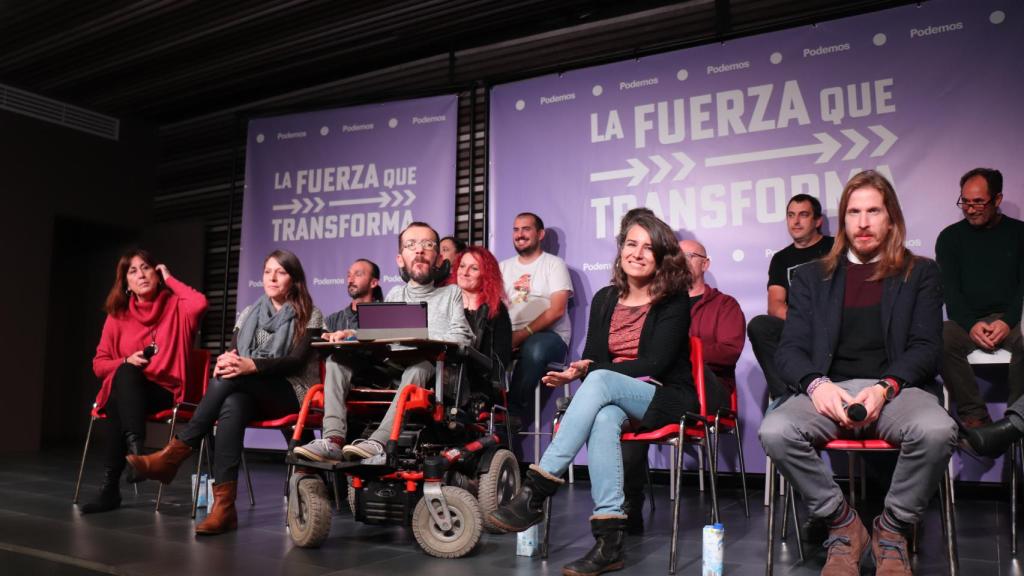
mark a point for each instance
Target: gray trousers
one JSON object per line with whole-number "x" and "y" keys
{"x": 958, "y": 375}
{"x": 914, "y": 420}
{"x": 338, "y": 382}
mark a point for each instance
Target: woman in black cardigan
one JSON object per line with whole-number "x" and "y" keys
{"x": 638, "y": 329}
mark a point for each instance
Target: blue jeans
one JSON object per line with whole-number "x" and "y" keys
{"x": 535, "y": 354}
{"x": 596, "y": 416}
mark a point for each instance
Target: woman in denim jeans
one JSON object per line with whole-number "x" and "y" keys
{"x": 635, "y": 366}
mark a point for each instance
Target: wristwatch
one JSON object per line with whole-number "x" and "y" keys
{"x": 890, "y": 388}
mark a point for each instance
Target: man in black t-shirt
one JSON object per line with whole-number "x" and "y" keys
{"x": 803, "y": 220}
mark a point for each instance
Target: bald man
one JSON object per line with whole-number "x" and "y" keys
{"x": 715, "y": 318}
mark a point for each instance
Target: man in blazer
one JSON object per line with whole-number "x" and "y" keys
{"x": 861, "y": 347}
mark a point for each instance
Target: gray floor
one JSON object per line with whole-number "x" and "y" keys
{"x": 42, "y": 533}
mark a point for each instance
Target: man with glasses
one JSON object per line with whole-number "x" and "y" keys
{"x": 803, "y": 222}
{"x": 417, "y": 254}
{"x": 715, "y": 318}
{"x": 982, "y": 262}
{"x": 538, "y": 287}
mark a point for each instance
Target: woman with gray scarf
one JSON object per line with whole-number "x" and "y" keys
{"x": 265, "y": 375}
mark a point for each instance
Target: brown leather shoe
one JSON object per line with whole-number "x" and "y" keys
{"x": 223, "y": 517}
{"x": 890, "y": 551}
{"x": 162, "y": 465}
{"x": 845, "y": 547}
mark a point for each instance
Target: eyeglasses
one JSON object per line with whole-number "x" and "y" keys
{"x": 964, "y": 203}
{"x": 424, "y": 244}
{"x": 694, "y": 254}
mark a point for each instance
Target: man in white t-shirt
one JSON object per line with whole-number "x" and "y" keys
{"x": 538, "y": 288}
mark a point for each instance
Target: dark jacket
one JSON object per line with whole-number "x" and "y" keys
{"x": 911, "y": 317}
{"x": 663, "y": 353}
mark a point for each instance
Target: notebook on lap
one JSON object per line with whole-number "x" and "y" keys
{"x": 389, "y": 320}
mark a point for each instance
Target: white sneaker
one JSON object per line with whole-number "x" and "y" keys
{"x": 363, "y": 449}
{"x": 320, "y": 450}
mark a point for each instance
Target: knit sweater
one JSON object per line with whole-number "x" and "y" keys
{"x": 982, "y": 271}
{"x": 171, "y": 321}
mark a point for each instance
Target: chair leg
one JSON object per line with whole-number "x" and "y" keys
{"x": 536, "y": 424}
{"x": 949, "y": 522}
{"x": 199, "y": 476}
{"x": 851, "y": 460}
{"x": 677, "y": 464}
{"x": 791, "y": 496}
{"x": 770, "y": 539}
{"x": 700, "y": 468}
{"x": 547, "y": 528}
{"x": 672, "y": 473}
{"x": 248, "y": 479}
{"x": 650, "y": 486}
{"x": 1015, "y": 462}
{"x": 785, "y": 515}
{"x": 572, "y": 476}
{"x": 715, "y": 519}
{"x": 768, "y": 485}
{"x": 81, "y": 465}
{"x": 170, "y": 436}
{"x": 743, "y": 468}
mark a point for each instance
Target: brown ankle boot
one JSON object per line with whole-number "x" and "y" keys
{"x": 890, "y": 551}
{"x": 162, "y": 465}
{"x": 845, "y": 547}
{"x": 223, "y": 517}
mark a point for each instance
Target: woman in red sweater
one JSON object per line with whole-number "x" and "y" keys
{"x": 142, "y": 358}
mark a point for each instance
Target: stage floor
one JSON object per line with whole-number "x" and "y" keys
{"x": 41, "y": 532}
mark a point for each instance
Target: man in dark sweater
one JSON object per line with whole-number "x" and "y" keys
{"x": 864, "y": 328}
{"x": 982, "y": 263}
{"x": 803, "y": 220}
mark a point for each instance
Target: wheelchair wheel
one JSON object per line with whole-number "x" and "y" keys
{"x": 466, "y": 528}
{"x": 497, "y": 485}
{"x": 309, "y": 513}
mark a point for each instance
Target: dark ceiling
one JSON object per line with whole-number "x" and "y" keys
{"x": 168, "y": 61}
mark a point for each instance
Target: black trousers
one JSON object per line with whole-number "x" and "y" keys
{"x": 634, "y": 454}
{"x": 132, "y": 396}
{"x": 765, "y": 332}
{"x": 231, "y": 404}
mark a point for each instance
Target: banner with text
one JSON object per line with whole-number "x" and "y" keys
{"x": 336, "y": 185}
{"x": 716, "y": 139}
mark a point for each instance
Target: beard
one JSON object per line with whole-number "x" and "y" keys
{"x": 358, "y": 292}
{"x": 420, "y": 274}
{"x": 527, "y": 249}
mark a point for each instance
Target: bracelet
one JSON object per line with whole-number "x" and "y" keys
{"x": 528, "y": 330}
{"x": 816, "y": 383}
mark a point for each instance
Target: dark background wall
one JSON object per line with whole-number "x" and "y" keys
{"x": 79, "y": 197}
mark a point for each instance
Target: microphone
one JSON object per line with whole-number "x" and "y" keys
{"x": 856, "y": 412}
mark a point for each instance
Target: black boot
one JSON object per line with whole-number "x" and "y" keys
{"x": 527, "y": 507}
{"x": 110, "y": 494}
{"x": 992, "y": 440}
{"x": 633, "y": 508}
{"x": 134, "y": 444}
{"x": 606, "y": 555}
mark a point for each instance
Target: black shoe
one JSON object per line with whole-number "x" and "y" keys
{"x": 633, "y": 508}
{"x": 527, "y": 507}
{"x": 992, "y": 440}
{"x": 607, "y": 554}
{"x": 134, "y": 445}
{"x": 110, "y": 494}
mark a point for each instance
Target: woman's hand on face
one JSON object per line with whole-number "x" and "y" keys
{"x": 137, "y": 359}
{"x": 231, "y": 365}
{"x": 338, "y": 336}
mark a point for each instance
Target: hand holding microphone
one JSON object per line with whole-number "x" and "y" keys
{"x": 856, "y": 412}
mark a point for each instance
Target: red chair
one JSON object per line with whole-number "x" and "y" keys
{"x": 852, "y": 448}
{"x": 195, "y": 386}
{"x": 696, "y": 429}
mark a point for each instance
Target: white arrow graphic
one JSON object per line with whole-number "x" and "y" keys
{"x": 295, "y": 205}
{"x": 398, "y": 198}
{"x": 637, "y": 171}
{"x": 859, "y": 143}
{"x": 383, "y": 198}
{"x": 687, "y": 165}
{"x": 826, "y": 147}
{"x": 409, "y": 197}
{"x": 888, "y": 139}
{"x": 664, "y": 166}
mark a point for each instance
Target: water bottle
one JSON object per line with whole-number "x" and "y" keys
{"x": 713, "y": 556}
{"x": 528, "y": 541}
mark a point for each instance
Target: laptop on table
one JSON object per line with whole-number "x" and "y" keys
{"x": 392, "y": 320}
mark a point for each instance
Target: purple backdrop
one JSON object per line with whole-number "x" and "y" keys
{"x": 336, "y": 185}
{"x": 715, "y": 139}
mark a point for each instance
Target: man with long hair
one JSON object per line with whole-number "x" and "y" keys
{"x": 863, "y": 341}
{"x": 982, "y": 263}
